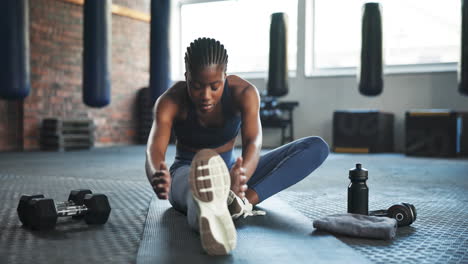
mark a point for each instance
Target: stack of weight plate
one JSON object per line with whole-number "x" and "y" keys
{"x": 69, "y": 134}
{"x": 145, "y": 114}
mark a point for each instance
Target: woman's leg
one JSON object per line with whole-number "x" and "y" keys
{"x": 285, "y": 166}
{"x": 201, "y": 192}
{"x": 180, "y": 195}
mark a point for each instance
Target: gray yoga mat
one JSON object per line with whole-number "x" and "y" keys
{"x": 282, "y": 236}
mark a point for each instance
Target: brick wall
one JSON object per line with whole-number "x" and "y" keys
{"x": 56, "y": 58}
{"x": 11, "y": 125}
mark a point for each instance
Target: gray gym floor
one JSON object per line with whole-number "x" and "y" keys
{"x": 437, "y": 187}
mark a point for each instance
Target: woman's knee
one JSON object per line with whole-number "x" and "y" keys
{"x": 317, "y": 145}
{"x": 314, "y": 152}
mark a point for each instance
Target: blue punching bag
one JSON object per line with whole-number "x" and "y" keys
{"x": 371, "y": 69}
{"x": 97, "y": 52}
{"x": 462, "y": 66}
{"x": 159, "y": 48}
{"x": 14, "y": 50}
{"x": 277, "y": 84}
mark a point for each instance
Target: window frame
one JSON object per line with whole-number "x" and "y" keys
{"x": 305, "y": 59}
{"x": 180, "y": 68}
{"x": 311, "y": 71}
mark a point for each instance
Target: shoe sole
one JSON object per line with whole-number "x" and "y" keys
{"x": 210, "y": 183}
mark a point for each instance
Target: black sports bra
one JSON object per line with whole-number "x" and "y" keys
{"x": 190, "y": 133}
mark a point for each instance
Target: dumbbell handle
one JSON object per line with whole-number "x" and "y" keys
{"x": 60, "y": 205}
{"x": 72, "y": 210}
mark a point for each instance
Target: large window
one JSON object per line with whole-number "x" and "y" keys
{"x": 415, "y": 32}
{"x": 243, "y": 27}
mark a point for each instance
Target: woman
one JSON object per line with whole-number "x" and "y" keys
{"x": 206, "y": 182}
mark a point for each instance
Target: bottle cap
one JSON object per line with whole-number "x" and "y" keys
{"x": 358, "y": 173}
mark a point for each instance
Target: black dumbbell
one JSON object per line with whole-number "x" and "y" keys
{"x": 23, "y": 208}
{"x": 404, "y": 213}
{"x": 41, "y": 213}
{"x": 76, "y": 196}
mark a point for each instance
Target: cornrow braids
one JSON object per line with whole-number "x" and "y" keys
{"x": 205, "y": 52}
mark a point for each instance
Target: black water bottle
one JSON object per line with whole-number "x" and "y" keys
{"x": 358, "y": 193}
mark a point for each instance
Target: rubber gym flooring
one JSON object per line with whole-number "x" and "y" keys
{"x": 142, "y": 229}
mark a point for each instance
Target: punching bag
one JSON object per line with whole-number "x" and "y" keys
{"x": 277, "y": 84}
{"x": 14, "y": 50}
{"x": 371, "y": 69}
{"x": 97, "y": 52}
{"x": 159, "y": 48}
{"x": 462, "y": 66}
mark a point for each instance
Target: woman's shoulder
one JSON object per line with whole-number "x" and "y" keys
{"x": 241, "y": 89}
{"x": 176, "y": 92}
{"x": 236, "y": 82}
{"x": 173, "y": 99}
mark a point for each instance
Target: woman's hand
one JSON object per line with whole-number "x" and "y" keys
{"x": 161, "y": 181}
{"x": 238, "y": 178}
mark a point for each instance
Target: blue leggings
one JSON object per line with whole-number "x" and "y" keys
{"x": 276, "y": 170}
{"x": 287, "y": 165}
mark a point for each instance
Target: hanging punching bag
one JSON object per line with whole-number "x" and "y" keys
{"x": 97, "y": 52}
{"x": 462, "y": 66}
{"x": 159, "y": 48}
{"x": 371, "y": 69}
{"x": 14, "y": 50}
{"x": 277, "y": 84}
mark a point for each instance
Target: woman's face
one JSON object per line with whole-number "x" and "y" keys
{"x": 205, "y": 87}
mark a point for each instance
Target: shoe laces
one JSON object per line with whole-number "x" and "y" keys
{"x": 246, "y": 206}
{"x": 248, "y": 209}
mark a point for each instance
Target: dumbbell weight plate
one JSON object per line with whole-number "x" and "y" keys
{"x": 23, "y": 207}
{"x": 98, "y": 208}
{"x": 77, "y": 196}
{"x": 42, "y": 213}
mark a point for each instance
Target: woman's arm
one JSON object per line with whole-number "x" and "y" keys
{"x": 165, "y": 110}
{"x": 251, "y": 131}
{"x": 159, "y": 136}
{"x": 248, "y": 101}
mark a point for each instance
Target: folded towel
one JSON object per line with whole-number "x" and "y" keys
{"x": 358, "y": 225}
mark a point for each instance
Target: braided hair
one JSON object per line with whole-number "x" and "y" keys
{"x": 205, "y": 52}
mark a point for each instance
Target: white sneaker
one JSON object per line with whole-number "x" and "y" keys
{"x": 241, "y": 207}
{"x": 210, "y": 182}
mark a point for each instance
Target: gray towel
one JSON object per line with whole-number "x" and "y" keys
{"x": 358, "y": 225}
